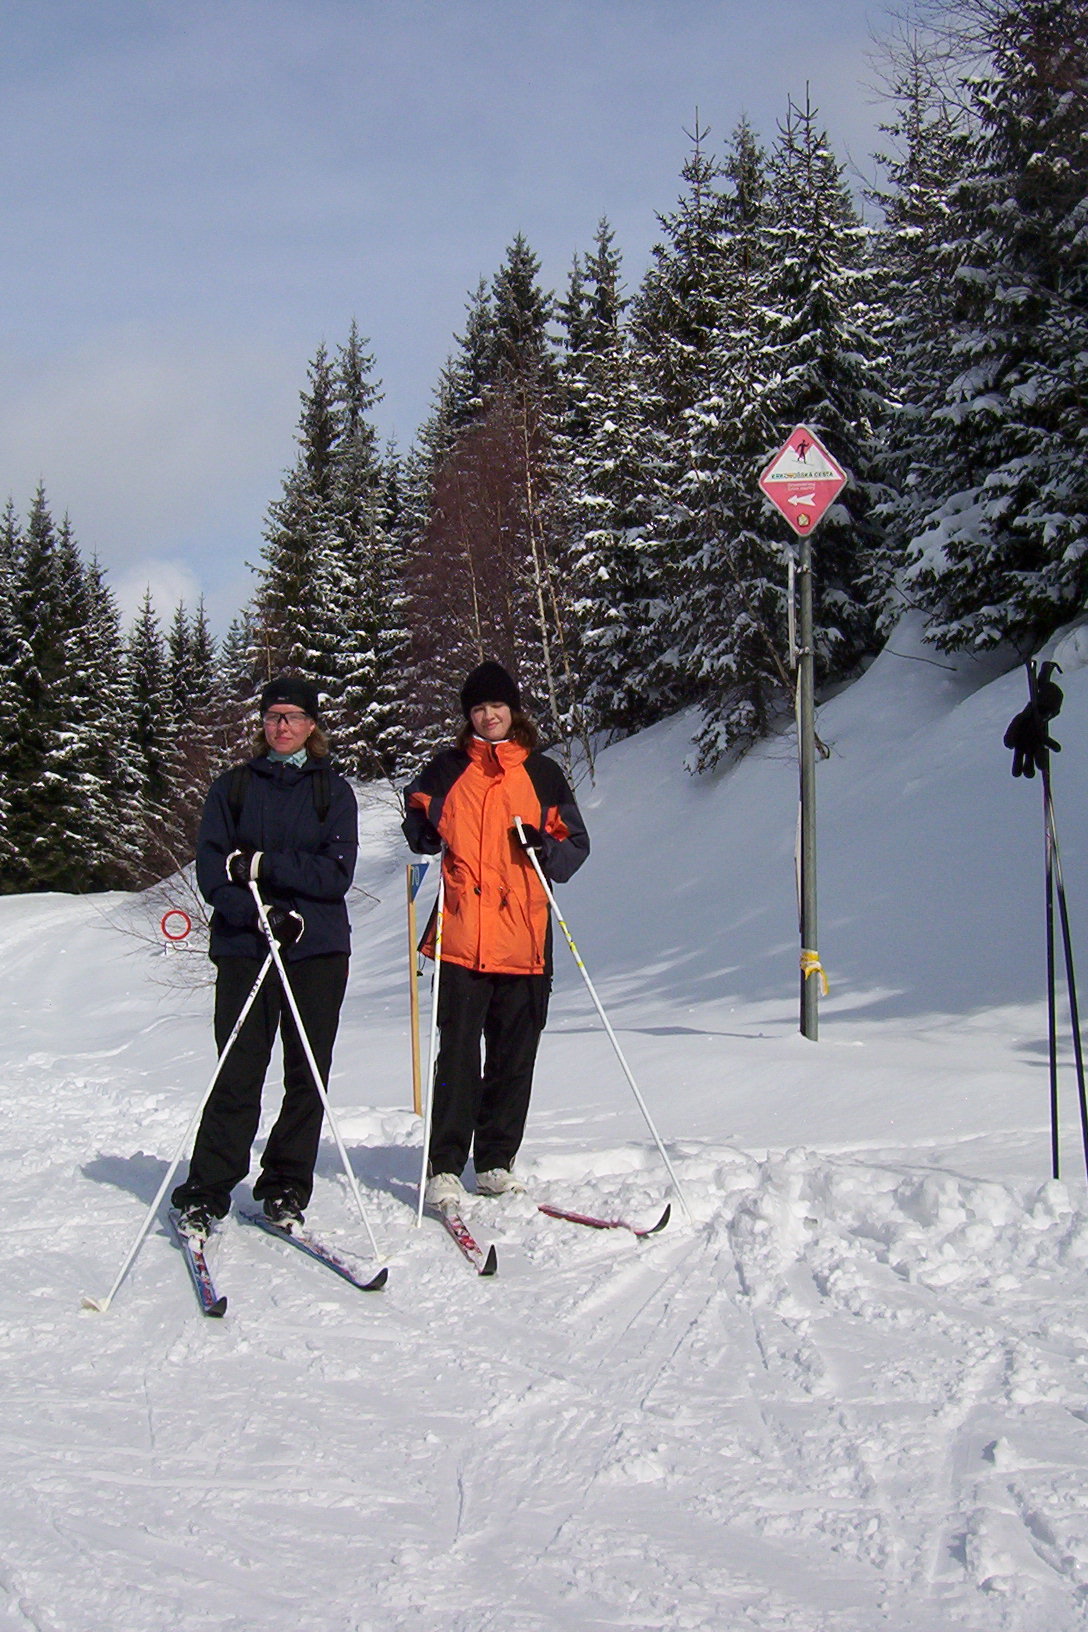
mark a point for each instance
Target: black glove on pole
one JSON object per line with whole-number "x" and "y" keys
{"x": 1027, "y": 733}
{"x": 286, "y": 925}
{"x": 1031, "y": 743}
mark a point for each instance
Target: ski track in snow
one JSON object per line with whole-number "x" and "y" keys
{"x": 853, "y": 1398}
{"x": 841, "y": 1402}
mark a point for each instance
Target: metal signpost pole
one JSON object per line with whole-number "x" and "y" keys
{"x": 806, "y": 720}
{"x": 801, "y": 481}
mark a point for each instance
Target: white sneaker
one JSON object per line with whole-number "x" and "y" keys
{"x": 499, "y": 1181}
{"x": 444, "y": 1190}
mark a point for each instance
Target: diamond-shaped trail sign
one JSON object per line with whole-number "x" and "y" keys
{"x": 802, "y": 480}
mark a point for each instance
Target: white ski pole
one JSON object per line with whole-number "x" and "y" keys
{"x": 604, "y": 1019}
{"x": 102, "y": 1304}
{"x": 432, "y": 1053}
{"x": 274, "y": 950}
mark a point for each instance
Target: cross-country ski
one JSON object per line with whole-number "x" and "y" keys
{"x": 594, "y": 1223}
{"x": 320, "y": 1251}
{"x": 192, "y": 1251}
{"x": 484, "y": 1260}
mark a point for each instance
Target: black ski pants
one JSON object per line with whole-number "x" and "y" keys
{"x": 484, "y": 1111}
{"x": 228, "y": 1127}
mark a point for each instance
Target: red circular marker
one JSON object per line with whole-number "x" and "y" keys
{"x": 187, "y": 924}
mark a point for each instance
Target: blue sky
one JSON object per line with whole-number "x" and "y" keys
{"x": 196, "y": 194}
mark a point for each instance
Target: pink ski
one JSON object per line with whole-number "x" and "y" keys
{"x": 606, "y": 1223}
{"x": 484, "y": 1263}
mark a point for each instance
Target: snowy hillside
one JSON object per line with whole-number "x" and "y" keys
{"x": 853, "y": 1397}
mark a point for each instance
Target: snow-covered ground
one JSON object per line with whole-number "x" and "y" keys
{"x": 853, "y": 1396}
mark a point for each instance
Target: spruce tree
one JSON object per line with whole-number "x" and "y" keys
{"x": 1001, "y": 555}
{"x": 350, "y": 604}
{"x": 602, "y": 453}
{"x": 674, "y": 329}
{"x": 825, "y": 368}
{"x": 152, "y": 736}
{"x": 108, "y": 834}
{"x": 68, "y": 800}
{"x": 522, "y": 312}
{"x": 76, "y": 844}
{"x": 298, "y": 532}
{"x": 11, "y": 637}
{"x": 195, "y": 753}
{"x": 728, "y": 619}
{"x": 916, "y": 258}
{"x": 239, "y": 676}
{"x": 46, "y": 611}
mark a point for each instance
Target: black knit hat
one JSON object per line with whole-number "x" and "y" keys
{"x": 490, "y": 683}
{"x": 290, "y": 689}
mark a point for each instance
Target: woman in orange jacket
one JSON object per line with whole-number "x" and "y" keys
{"x": 496, "y": 930}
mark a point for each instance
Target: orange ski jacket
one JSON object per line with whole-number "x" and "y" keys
{"x": 496, "y": 912}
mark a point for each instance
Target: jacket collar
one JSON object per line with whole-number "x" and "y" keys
{"x": 503, "y": 754}
{"x": 276, "y": 767}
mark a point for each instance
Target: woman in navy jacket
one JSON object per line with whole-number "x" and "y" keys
{"x": 290, "y": 822}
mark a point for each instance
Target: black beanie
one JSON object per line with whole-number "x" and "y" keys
{"x": 490, "y": 683}
{"x": 290, "y": 689}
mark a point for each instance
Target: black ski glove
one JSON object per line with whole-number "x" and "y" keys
{"x": 286, "y": 926}
{"x": 428, "y": 840}
{"x": 423, "y": 837}
{"x": 242, "y": 865}
{"x": 1027, "y": 734}
{"x": 530, "y": 837}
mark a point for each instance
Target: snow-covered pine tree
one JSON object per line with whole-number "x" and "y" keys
{"x": 298, "y": 532}
{"x": 603, "y": 454}
{"x": 728, "y": 620}
{"x": 386, "y": 722}
{"x": 195, "y": 754}
{"x": 674, "y": 328}
{"x": 1003, "y": 554}
{"x": 469, "y": 373}
{"x": 11, "y": 637}
{"x": 353, "y": 598}
{"x": 47, "y": 611}
{"x": 76, "y": 847}
{"x": 424, "y": 704}
{"x": 179, "y": 667}
{"x": 108, "y": 829}
{"x": 825, "y": 369}
{"x": 151, "y": 732}
{"x": 67, "y": 801}
{"x": 522, "y": 311}
{"x": 237, "y": 685}
{"x": 916, "y": 257}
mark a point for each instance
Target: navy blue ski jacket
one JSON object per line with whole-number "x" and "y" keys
{"x": 306, "y": 864}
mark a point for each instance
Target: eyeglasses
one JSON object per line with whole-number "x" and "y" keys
{"x": 274, "y": 720}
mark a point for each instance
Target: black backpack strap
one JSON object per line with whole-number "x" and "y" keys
{"x": 236, "y": 793}
{"x": 322, "y": 792}
{"x": 239, "y": 781}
